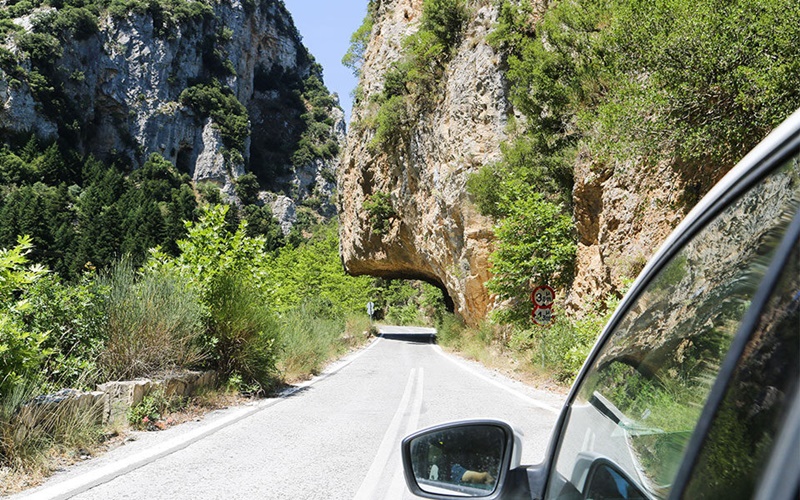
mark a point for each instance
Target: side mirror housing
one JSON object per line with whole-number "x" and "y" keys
{"x": 470, "y": 458}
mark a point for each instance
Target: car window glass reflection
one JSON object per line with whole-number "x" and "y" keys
{"x": 642, "y": 397}
{"x": 766, "y": 377}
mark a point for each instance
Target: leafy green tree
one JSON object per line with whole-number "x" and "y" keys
{"x": 220, "y": 104}
{"x": 313, "y": 270}
{"x": 21, "y": 351}
{"x": 535, "y": 246}
{"x": 445, "y": 19}
{"x": 354, "y": 57}
{"x": 72, "y": 317}
{"x": 225, "y": 268}
{"x": 247, "y": 188}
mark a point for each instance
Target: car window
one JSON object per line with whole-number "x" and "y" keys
{"x": 755, "y": 405}
{"x": 641, "y": 398}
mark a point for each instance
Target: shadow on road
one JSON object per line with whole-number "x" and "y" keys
{"x": 413, "y": 338}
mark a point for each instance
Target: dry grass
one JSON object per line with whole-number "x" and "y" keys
{"x": 33, "y": 471}
{"x": 487, "y": 345}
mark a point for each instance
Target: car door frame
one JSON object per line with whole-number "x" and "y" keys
{"x": 781, "y": 144}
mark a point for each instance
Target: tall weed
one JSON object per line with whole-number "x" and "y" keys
{"x": 154, "y": 321}
{"x": 242, "y": 329}
{"x": 32, "y": 429}
{"x": 310, "y": 337}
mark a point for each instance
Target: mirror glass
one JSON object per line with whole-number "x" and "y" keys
{"x": 461, "y": 461}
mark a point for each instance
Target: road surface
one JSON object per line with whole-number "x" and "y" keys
{"x": 336, "y": 437}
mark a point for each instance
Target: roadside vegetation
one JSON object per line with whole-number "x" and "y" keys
{"x": 227, "y": 301}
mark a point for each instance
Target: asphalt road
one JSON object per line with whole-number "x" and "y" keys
{"x": 336, "y": 437}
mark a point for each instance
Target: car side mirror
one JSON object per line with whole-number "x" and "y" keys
{"x": 461, "y": 459}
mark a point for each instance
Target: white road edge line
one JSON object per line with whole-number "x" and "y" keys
{"x": 496, "y": 383}
{"x": 390, "y": 439}
{"x": 398, "y": 485}
{"x": 84, "y": 482}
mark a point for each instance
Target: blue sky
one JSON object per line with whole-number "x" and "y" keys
{"x": 326, "y": 26}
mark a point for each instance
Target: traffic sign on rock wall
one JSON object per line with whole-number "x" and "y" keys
{"x": 542, "y": 298}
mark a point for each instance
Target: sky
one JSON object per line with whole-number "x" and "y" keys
{"x": 326, "y": 26}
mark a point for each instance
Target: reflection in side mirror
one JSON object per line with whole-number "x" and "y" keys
{"x": 466, "y": 459}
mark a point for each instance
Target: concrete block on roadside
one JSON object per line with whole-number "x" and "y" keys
{"x": 121, "y": 397}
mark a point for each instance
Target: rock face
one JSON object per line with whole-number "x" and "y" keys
{"x": 437, "y": 234}
{"x": 125, "y": 80}
{"x": 621, "y": 217}
{"x": 622, "y": 214}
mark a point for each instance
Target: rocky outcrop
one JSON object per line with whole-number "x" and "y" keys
{"x": 621, "y": 215}
{"x": 622, "y": 212}
{"x": 123, "y": 84}
{"x": 437, "y": 234}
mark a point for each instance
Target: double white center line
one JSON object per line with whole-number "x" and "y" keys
{"x": 388, "y": 456}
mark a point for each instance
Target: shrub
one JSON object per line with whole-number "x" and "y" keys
{"x": 153, "y": 407}
{"x": 242, "y": 329}
{"x": 354, "y": 57}
{"x": 21, "y": 351}
{"x": 43, "y": 48}
{"x": 310, "y": 336}
{"x": 379, "y": 208}
{"x": 72, "y": 315}
{"x": 535, "y": 246}
{"x": 247, "y": 188}
{"x": 445, "y": 19}
{"x": 154, "y": 321}
{"x": 218, "y": 102}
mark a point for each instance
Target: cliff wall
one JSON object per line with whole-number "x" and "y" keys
{"x": 436, "y": 233}
{"x": 121, "y": 86}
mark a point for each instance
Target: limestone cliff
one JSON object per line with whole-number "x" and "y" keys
{"x": 436, "y": 234}
{"x": 121, "y": 85}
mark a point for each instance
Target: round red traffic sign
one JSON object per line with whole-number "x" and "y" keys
{"x": 543, "y": 297}
{"x": 542, "y": 316}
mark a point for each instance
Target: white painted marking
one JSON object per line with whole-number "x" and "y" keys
{"x": 390, "y": 439}
{"x": 496, "y": 383}
{"x": 398, "y": 484}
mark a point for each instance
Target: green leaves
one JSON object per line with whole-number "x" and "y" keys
{"x": 354, "y": 57}
{"x": 535, "y": 246}
{"x": 380, "y": 211}
{"x": 218, "y": 102}
{"x": 21, "y": 350}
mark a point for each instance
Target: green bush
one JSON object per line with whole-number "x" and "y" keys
{"x": 153, "y": 407}
{"x": 72, "y": 315}
{"x": 354, "y": 57}
{"x": 380, "y": 211}
{"x": 154, "y": 323}
{"x": 43, "y": 48}
{"x": 247, "y": 188}
{"x": 21, "y": 350}
{"x": 311, "y": 335}
{"x": 242, "y": 329}
{"x": 218, "y": 102}
{"x": 225, "y": 267}
{"x": 445, "y": 19}
{"x": 535, "y": 245}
